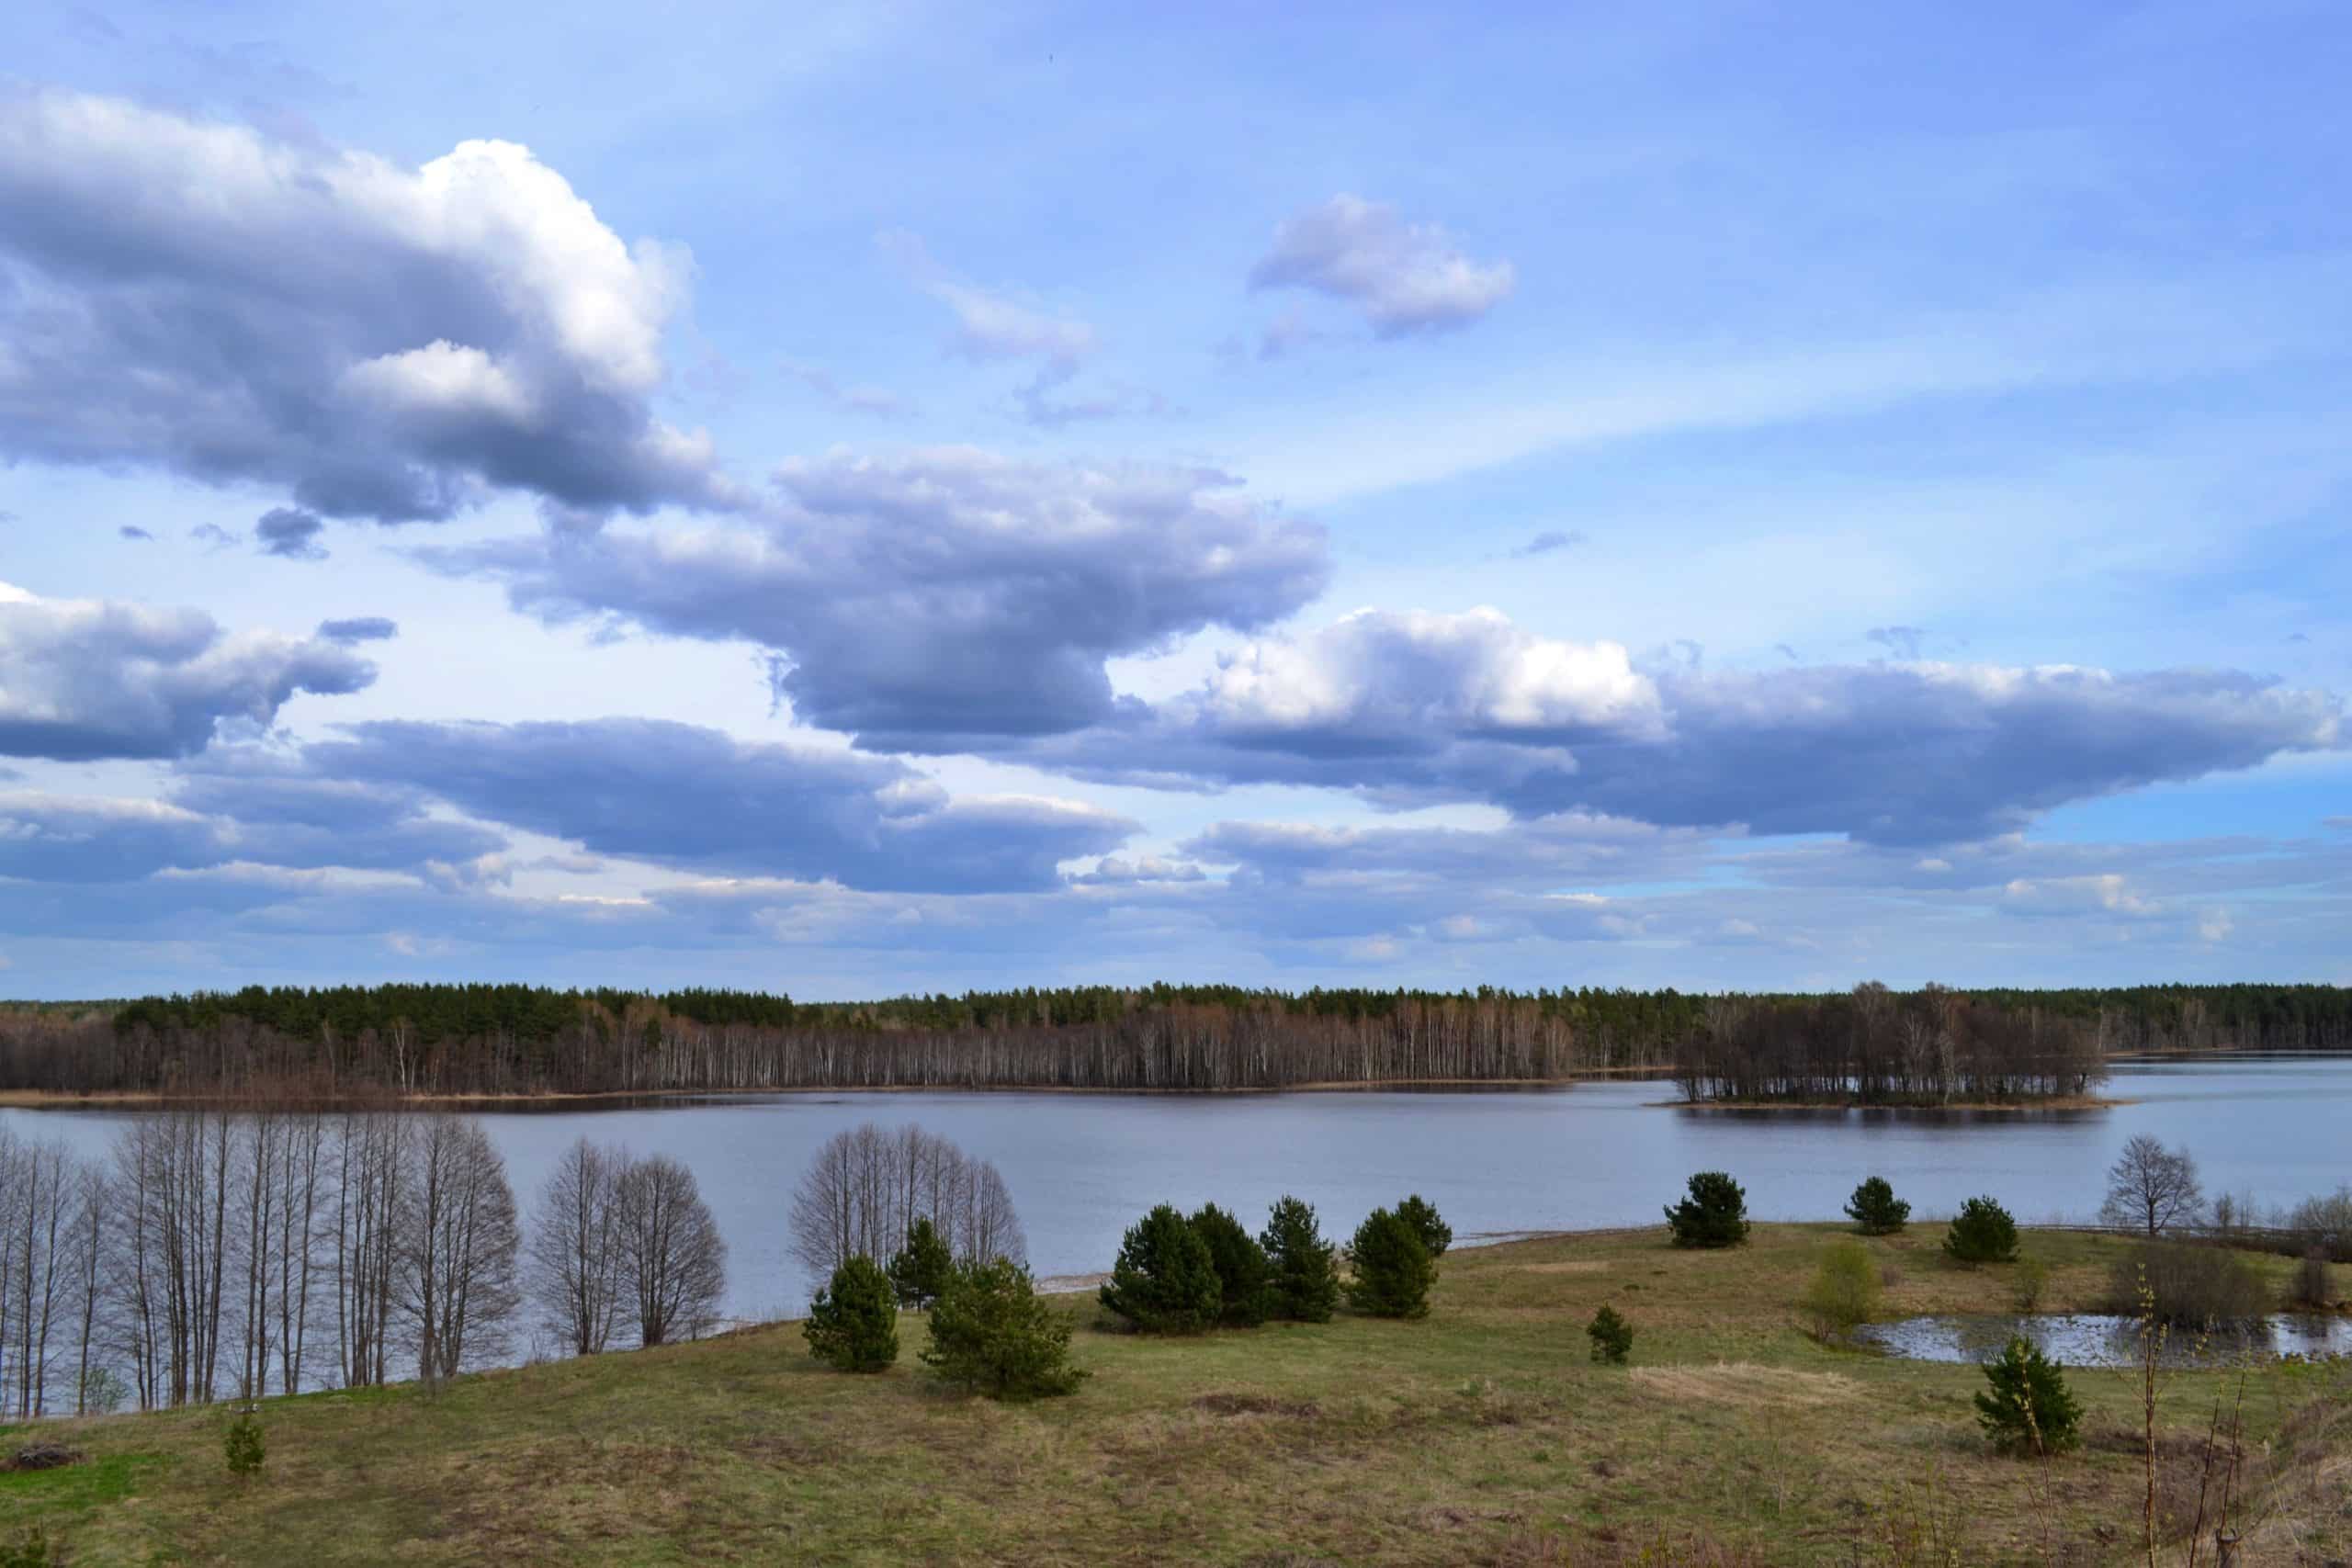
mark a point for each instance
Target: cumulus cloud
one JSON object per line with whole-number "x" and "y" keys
{"x": 383, "y": 342}
{"x": 86, "y": 678}
{"x": 701, "y": 800}
{"x": 1404, "y": 277}
{"x": 1378, "y": 681}
{"x": 1415, "y": 708}
{"x": 944, "y": 593}
{"x": 289, "y": 532}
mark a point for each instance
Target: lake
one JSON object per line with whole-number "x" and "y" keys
{"x": 1081, "y": 1168}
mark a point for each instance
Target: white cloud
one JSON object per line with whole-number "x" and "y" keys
{"x": 384, "y": 342}
{"x": 1405, "y": 277}
{"x": 992, "y": 325}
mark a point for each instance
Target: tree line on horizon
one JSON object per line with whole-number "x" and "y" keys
{"x": 516, "y": 1039}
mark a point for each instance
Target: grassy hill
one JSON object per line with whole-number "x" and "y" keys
{"x": 1484, "y": 1434}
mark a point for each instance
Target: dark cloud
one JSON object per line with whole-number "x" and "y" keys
{"x": 213, "y": 536}
{"x": 1405, "y": 277}
{"x": 289, "y": 532}
{"x": 384, "y": 342}
{"x": 1414, "y": 709}
{"x": 84, "y": 679}
{"x": 236, "y": 811}
{"x": 132, "y": 531}
{"x": 359, "y": 628}
{"x": 944, "y": 594}
{"x": 700, "y": 799}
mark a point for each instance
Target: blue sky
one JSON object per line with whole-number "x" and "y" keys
{"x": 899, "y": 498}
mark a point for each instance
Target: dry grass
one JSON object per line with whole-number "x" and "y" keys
{"x": 1746, "y": 1386}
{"x": 1484, "y": 1434}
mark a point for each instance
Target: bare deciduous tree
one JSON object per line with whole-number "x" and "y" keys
{"x": 571, "y": 1268}
{"x": 459, "y": 1236}
{"x": 867, "y": 1185}
{"x": 671, "y": 1260}
{"x": 2152, "y": 1188}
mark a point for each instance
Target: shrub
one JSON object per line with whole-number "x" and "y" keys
{"x": 1982, "y": 1233}
{"x": 991, "y": 1333}
{"x": 103, "y": 1391}
{"x": 2326, "y": 1223}
{"x": 1240, "y": 1264}
{"x": 1435, "y": 1234}
{"x": 2026, "y": 1408}
{"x": 2310, "y": 1289}
{"x": 2187, "y": 1285}
{"x": 1844, "y": 1290}
{"x": 1303, "y": 1283}
{"x": 1164, "y": 1281}
{"x": 1714, "y": 1215}
{"x": 853, "y": 1323}
{"x": 2032, "y": 1279}
{"x": 243, "y": 1446}
{"x": 1875, "y": 1209}
{"x": 1392, "y": 1268}
{"x": 32, "y": 1549}
{"x": 1611, "y": 1335}
{"x": 920, "y": 1271}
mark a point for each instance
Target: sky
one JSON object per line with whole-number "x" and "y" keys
{"x": 899, "y": 498}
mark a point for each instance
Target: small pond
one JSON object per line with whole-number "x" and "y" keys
{"x": 2102, "y": 1339}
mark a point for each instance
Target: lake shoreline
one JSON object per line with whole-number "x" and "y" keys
{"x": 50, "y": 1099}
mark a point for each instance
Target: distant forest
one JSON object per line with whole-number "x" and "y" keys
{"x": 521, "y": 1039}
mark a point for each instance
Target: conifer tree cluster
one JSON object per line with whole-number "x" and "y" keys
{"x": 1179, "y": 1274}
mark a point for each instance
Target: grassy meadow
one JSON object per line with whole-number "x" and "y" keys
{"x": 1482, "y": 1433}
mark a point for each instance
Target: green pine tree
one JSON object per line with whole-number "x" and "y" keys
{"x": 991, "y": 1333}
{"x": 1875, "y": 1209}
{"x": 920, "y": 1271}
{"x": 2026, "y": 1407}
{"x": 853, "y": 1323}
{"x": 1714, "y": 1215}
{"x": 1164, "y": 1281}
{"x": 1422, "y": 1216}
{"x": 1305, "y": 1282}
{"x": 1392, "y": 1268}
{"x": 243, "y": 1446}
{"x": 1982, "y": 1231}
{"x": 1611, "y": 1336}
{"x": 1241, "y": 1267}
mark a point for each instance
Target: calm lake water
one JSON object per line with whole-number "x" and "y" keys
{"x": 2099, "y": 1340}
{"x": 1081, "y": 1168}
